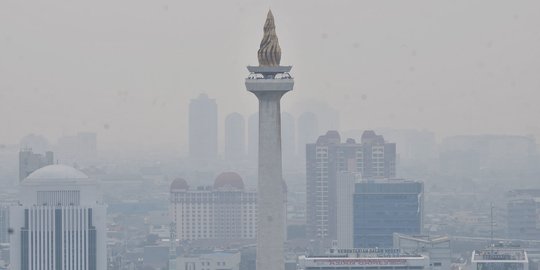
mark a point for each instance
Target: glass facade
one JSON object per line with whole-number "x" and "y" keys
{"x": 386, "y": 207}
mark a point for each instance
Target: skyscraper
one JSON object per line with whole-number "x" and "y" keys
{"x": 30, "y": 161}
{"x": 235, "y": 137}
{"x": 522, "y": 217}
{"x": 203, "y": 138}
{"x": 60, "y": 222}
{"x": 373, "y": 158}
{"x": 384, "y": 207}
{"x": 269, "y": 82}
{"x": 345, "y": 210}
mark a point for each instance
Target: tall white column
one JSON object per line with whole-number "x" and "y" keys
{"x": 270, "y": 254}
{"x": 269, "y": 82}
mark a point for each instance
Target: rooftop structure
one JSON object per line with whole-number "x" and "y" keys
{"x": 500, "y": 259}
{"x": 437, "y": 248}
{"x": 364, "y": 259}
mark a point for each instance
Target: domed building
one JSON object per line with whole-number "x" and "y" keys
{"x": 225, "y": 210}
{"x": 59, "y": 222}
{"x": 229, "y": 180}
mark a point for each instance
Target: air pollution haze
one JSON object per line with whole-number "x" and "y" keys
{"x": 269, "y": 135}
{"x": 127, "y": 69}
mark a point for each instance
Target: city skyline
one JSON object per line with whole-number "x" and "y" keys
{"x": 433, "y": 83}
{"x": 132, "y": 139}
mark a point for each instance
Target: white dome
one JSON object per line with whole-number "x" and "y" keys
{"x": 57, "y": 172}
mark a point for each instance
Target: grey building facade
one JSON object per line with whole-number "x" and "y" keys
{"x": 203, "y": 137}
{"x": 30, "y": 162}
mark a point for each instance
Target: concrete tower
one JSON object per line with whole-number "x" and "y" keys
{"x": 269, "y": 82}
{"x": 203, "y": 133}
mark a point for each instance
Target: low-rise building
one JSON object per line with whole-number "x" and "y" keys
{"x": 437, "y": 248}
{"x": 499, "y": 259}
{"x": 364, "y": 259}
{"x": 219, "y": 260}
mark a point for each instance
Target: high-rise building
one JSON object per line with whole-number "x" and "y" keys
{"x": 203, "y": 129}
{"x": 522, "y": 214}
{"x": 373, "y": 158}
{"x": 223, "y": 211}
{"x": 522, "y": 218}
{"x": 345, "y": 211}
{"x": 36, "y": 142}
{"x": 475, "y": 154}
{"x": 269, "y": 82}
{"x": 384, "y": 207}
{"x": 60, "y": 222}
{"x": 235, "y": 137}
{"x": 30, "y": 161}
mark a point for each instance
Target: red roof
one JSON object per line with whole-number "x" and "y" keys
{"x": 229, "y": 179}
{"x": 179, "y": 183}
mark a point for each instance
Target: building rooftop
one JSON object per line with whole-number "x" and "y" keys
{"x": 500, "y": 255}
{"x": 57, "y": 172}
{"x": 229, "y": 179}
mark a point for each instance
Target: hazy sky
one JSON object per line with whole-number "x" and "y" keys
{"x": 128, "y": 68}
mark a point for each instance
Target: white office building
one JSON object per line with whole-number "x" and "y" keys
{"x": 59, "y": 222}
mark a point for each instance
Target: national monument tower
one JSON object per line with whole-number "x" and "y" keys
{"x": 269, "y": 82}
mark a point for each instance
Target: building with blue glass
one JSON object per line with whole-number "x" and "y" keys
{"x": 384, "y": 207}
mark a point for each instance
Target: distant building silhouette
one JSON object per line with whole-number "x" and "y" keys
{"x": 471, "y": 155}
{"x": 203, "y": 137}
{"x": 30, "y": 161}
{"x": 235, "y": 137}
{"x": 36, "y": 142}
{"x": 523, "y": 214}
{"x": 373, "y": 158}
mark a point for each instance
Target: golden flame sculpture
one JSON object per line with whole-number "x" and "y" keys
{"x": 269, "y": 53}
